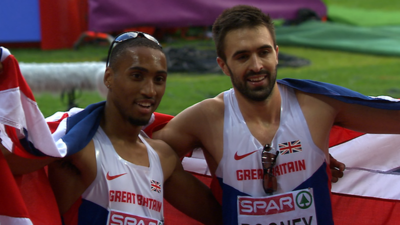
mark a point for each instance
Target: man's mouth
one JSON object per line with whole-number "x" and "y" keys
{"x": 144, "y": 104}
{"x": 256, "y": 79}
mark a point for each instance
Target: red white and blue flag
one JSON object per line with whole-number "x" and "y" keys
{"x": 368, "y": 193}
{"x": 155, "y": 186}
{"x": 290, "y": 147}
{"x": 27, "y": 199}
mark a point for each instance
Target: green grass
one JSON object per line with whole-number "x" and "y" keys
{"x": 83, "y": 54}
{"x": 183, "y": 90}
{"x": 385, "y": 5}
{"x": 367, "y": 74}
{"x": 49, "y": 103}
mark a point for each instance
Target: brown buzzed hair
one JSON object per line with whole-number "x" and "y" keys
{"x": 240, "y": 16}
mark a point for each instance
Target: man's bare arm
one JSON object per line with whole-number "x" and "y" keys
{"x": 20, "y": 165}
{"x": 178, "y": 133}
{"x": 184, "y": 191}
{"x": 369, "y": 120}
{"x": 192, "y": 197}
{"x": 199, "y": 126}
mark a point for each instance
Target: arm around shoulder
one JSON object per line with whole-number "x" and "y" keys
{"x": 192, "y": 197}
{"x": 186, "y": 131}
{"x": 184, "y": 191}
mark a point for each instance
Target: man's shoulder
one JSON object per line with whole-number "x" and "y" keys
{"x": 168, "y": 157}
{"x": 217, "y": 101}
{"x": 200, "y": 112}
{"x": 318, "y": 87}
{"x": 85, "y": 157}
{"x": 160, "y": 146}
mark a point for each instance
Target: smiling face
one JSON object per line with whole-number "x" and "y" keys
{"x": 251, "y": 61}
{"x": 136, "y": 84}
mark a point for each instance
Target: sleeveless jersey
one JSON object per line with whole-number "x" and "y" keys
{"x": 300, "y": 163}
{"x": 122, "y": 191}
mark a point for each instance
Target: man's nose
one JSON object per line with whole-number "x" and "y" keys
{"x": 148, "y": 89}
{"x": 255, "y": 64}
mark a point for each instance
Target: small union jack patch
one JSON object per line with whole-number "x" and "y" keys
{"x": 155, "y": 186}
{"x": 290, "y": 147}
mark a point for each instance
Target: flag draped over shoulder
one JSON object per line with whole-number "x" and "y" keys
{"x": 26, "y": 199}
{"x": 368, "y": 193}
{"x": 24, "y": 131}
{"x": 23, "y": 125}
{"x": 369, "y": 182}
{"x": 341, "y": 93}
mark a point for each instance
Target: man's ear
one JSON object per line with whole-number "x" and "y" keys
{"x": 223, "y": 66}
{"x": 108, "y": 75}
{"x": 277, "y": 54}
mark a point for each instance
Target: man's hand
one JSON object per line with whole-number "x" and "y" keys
{"x": 337, "y": 168}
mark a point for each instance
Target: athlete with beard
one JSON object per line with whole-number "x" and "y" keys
{"x": 121, "y": 176}
{"x": 266, "y": 142}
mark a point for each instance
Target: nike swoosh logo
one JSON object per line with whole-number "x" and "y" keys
{"x": 113, "y": 177}
{"x": 239, "y": 157}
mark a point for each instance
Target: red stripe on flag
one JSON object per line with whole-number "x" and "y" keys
{"x": 12, "y": 203}
{"x": 39, "y": 198}
{"x": 17, "y": 147}
{"x": 340, "y": 135}
{"x": 54, "y": 124}
{"x": 12, "y": 78}
{"x": 352, "y": 210}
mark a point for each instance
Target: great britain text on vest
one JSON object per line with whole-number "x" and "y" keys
{"x": 132, "y": 198}
{"x": 281, "y": 169}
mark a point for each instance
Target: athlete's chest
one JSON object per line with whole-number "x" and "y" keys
{"x": 263, "y": 133}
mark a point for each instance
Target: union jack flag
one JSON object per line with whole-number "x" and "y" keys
{"x": 155, "y": 186}
{"x": 290, "y": 147}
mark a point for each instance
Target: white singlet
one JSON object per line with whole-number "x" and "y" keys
{"x": 300, "y": 163}
{"x": 123, "y": 193}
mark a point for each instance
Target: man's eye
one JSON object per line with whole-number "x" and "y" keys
{"x": 136, "y": 75}
{"x": 264, "y": 52}
{"x": 242, "y": 57}
{"x": 160, "y": 79}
